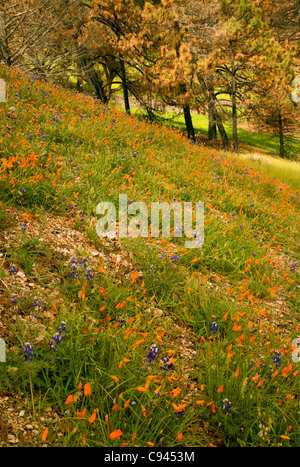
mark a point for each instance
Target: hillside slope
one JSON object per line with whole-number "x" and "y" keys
{"x": 161, "y": 345}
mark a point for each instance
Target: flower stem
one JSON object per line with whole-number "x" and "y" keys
{"x": 32, "y": 400}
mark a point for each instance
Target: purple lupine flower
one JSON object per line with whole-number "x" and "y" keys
{"x": 62, "y": 327}
{"x": 152, "y": 353}
{"x": 226, "y": 405}
{"x": 277, "y": 358}
{"x": 14, "y": 301}
{"x": 13, "y": 269}
{"x": 167, "y": 366}
{"x": 28, "y": 352}
{"x": 88, "y": 274}
{"x": 213, "y": 327}
{"x": 180, "y": 413}
{"x": 57, "y": 338}
{"x": 83, "y": 262}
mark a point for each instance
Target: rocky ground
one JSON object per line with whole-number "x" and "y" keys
{"x": 19, "y": 426}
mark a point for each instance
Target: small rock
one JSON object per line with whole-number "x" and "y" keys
{"x": 22, "y": 275}
{"x": 12, "y": 439}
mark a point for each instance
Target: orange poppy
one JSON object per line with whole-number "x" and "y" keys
{"x": 81, "y": 414}
{"x": 115, "y": 434}
{"x": 69, "y": 399}
{"x": 176, "y": 392}
{"x": 93, "y": 416}
{"x": 142, "y": 389}
{"x": 178, "y": 408}
{"x": 44, "y": 435}
{"x": 256, "y": 377}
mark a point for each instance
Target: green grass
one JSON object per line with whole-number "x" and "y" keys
{"x": 288, "y": 171}
{"x": 200, "y": 122}
{"x": 62, "y": 154}
{"x": 257, "y": 140}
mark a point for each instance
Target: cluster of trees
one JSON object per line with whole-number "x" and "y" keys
{"x": 225, "y": 58}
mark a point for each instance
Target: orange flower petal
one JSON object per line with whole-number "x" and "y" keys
{"x": 115, "y": 434}
{"x": 93, "y": 416}
{"x": 255, "y": 378}
{"x": 134, "y": 276}
{"x": 44, "y": 435}
{"x": 69, "y": 399}
{"x": 87, "y": 389}
{"x": 176, "y": 392}
{"x": 142, "y": 389}
{"x": 81, "y": 414}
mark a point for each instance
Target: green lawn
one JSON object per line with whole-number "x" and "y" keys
{"x": 200, "y": 122}
{"x": 247, "y": 137}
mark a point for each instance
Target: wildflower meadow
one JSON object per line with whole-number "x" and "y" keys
{"x": 140, "y": 342}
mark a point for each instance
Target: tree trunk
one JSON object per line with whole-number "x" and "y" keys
{"x": 222, "y": 130}
{"x": 215, "y": 114}
{"x": 212, "y": 126}
{"x": 4, "y": 50}
{"x": 189, "y": 123}
{"x": 234, "y": 106}
{"x": 125, "y": 88}
{"x": 183, "y": 88}
{"x": 79, "y": 84}
{"x": 234, "y": 115}
{"x": 91, "y": 76}
{"x": 281, "y": 140}
{"x": 187, "y": 115}
{"x": 79, "y": 79}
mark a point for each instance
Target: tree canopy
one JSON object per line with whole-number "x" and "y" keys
{"x": 227, "y": 59}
